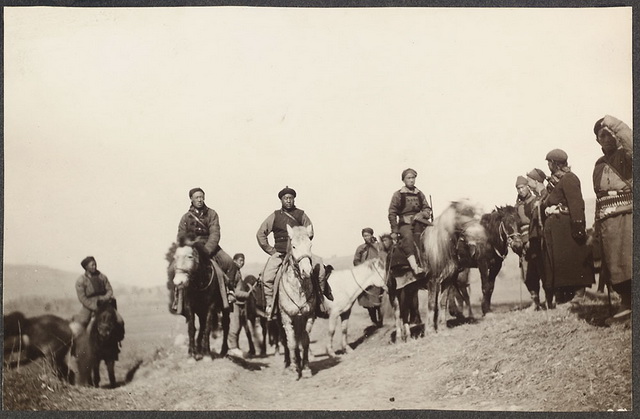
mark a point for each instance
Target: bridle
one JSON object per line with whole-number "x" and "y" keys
{"x": 506, "y": 238}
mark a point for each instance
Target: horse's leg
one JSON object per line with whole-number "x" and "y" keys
{"x": 305, "y": 371}
{"x": 225, "y": 332}
{"x": 467, "y": 299}
{"x": 404, "y": 313}
{"x": 308, "y": 327}
{"x": 415, "y": 309}
{"x": 333, "y": 318}
{"x": 60, "y": 364}
{"x": 493, "y": 273}
{"x": 345, "y": 324}
{"x": 111, "y": 371}
{"x": 436, "y": 304}
{"x": 202, "y": 320}
{"x": 249, "y": 330}
{"x": 396, "y": 314}
{"x": 265, "y": 329}
{"x": 487, "y": 287}
{"x": 206, "y": 342}
{"x": 290, "y": 343}
{"x": 191, "y": 328}
{"x": 96, "y": 373}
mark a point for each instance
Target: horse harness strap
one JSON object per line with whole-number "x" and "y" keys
{"x": 360, "y": 286}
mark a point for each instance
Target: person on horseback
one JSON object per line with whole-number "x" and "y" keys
{"x": 527, "y": 203}
{"x": 91, "y": 287}
{"x": 202, "y": 222}
{"x": 372, "y": 298}
{"x": 277, "y": 223}
{"x": 409, "y": 214}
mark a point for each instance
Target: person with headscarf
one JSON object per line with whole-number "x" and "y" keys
{"x": 203, "y": 223}
{"x": 568, "y": 261}
{"x": 93, "y": 287}
{"x": 526, "y": 205}
{"x": 371, "y": 298}
{"x": 409, "y": 214}
{"x": 613, "y": 185}
{"x": 276, "y": 223}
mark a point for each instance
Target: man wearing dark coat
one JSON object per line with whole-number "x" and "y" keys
{"x": 568, "y": 260}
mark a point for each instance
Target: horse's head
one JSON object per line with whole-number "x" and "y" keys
{"x": 185, "y": 262}
{"x": 509, "y": 230}
{"x": 105, "y": 318}
{"x": 300, "y": 248}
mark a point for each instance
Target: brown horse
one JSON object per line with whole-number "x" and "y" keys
{"x": 196, "y": 292}
{"x": 501, "y": 229}
{"x": 99, "y": 342}
{"x": 45, "y": 336}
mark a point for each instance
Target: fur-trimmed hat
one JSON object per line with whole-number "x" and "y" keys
{"x": 194, "y": 190}
{"x": 557, "y": 155}
{"x": 537, "y": 175}
{"x": 238, "y": 255}
{"x": 405, "y": 172}
{"x": 285, "y": 191}
{"x": 85, "y": 262}
{"x": 521, "y": 180}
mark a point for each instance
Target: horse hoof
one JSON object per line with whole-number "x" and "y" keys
{"x": 306, "y": 373}
{"x": 348, "y": 350}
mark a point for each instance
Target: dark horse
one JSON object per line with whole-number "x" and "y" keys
{"x": 501, "y": 229}
{"x": 99, "y": 342}
{"x": 45, "y": 336}
{"x": 257, "y": 319}
{"x": 196, "y": 291}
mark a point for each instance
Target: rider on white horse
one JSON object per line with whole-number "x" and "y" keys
{"x": 277, "y": 223}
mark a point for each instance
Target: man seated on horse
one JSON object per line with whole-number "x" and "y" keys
{"x": 202, "y": 222}
{"x": 409, "y": 214}
{"x": 277, "y": 223}
{"x": 91, "y": 287}
{"x": 527, "y": 205}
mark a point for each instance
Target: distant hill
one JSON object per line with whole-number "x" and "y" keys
{"x": 19, "y": 281}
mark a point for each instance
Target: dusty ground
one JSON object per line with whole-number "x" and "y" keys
{"x": 514, "y": 360}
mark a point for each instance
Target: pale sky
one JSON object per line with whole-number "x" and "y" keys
{"x": 112, "y": 115}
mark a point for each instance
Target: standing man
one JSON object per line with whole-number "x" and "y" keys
{"x": 93, "y": 287}
{"x": 203, "y": 222}
{"x": 408, "y": 205}
{"x": 527, "y": 204}
{"x": 613, "y": 185}
{"x": 276, "y": 223}
{"x": 238, "y": 315}
{"x": 371, "y": 299}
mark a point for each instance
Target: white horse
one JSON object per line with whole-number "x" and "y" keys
{"x": 346, "y": 285}
{"x": 297, "y": 300}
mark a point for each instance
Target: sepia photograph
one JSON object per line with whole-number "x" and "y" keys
{"x": 235, "y": 208}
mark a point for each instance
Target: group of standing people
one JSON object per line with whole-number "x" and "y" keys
{"x": 552, "y": 222}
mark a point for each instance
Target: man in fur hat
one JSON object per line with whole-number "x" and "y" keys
{"x": 276, "y": 223}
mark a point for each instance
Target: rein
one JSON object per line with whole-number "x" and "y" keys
{"x": 506, "y": 239}
{"x": 290, "y": 261}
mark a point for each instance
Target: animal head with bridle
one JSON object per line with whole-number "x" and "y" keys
{"x": 299, "y": 249}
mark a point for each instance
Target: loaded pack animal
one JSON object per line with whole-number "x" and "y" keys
{"x": 46, "y": 336}
{"x": 296, "y": 295}
{"x": 99, "y": 342}
{"x": 197, "y": 290}
{"x": 346, "y": 286}
{"x": 501, "y": 229}
{"x": 441, "y": 253}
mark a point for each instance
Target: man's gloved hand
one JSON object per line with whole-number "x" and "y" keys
{"x": 578, "y": 232}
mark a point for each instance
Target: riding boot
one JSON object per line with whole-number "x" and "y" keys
{"x": 414, "y": 265}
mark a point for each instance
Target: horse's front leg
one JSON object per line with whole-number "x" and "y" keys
{"x": 396, "y": 314}
{"x": 111, "y": 371}
{"x": 191, "y": 329}
{"x": 206, "y": 342}
{"x": 487, "y": 287}
{"x": 289, "y": 343}
{"x": 96, "y": 373}
{"x": 225, "y": 332}
{"x": 345, "y": 324}
{"x": 333, "y": 318}
{"x": 265, "y": 329}
{"x": 305, "y": 371}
